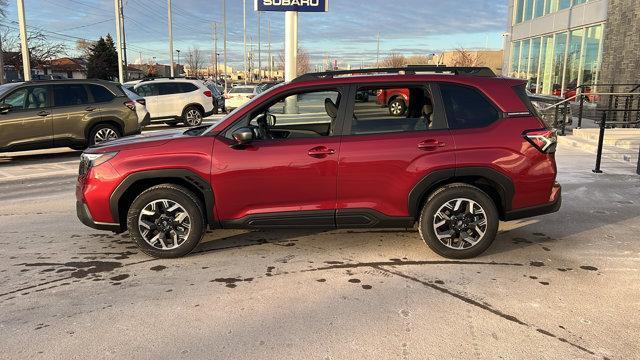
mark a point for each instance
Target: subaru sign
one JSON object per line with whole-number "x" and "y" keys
{"x": 292, "y": 5}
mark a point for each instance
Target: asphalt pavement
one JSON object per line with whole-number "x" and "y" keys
{"x": 558, "y": 286}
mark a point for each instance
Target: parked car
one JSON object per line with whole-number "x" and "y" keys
{"x": 469, "y": 151}
{"x": 396, "y": 100}
{"x": 73, "y": 113}
{"x": 175, "y": 100}
{"x": 239, "y": 95}
{"x": 262, "y": 87}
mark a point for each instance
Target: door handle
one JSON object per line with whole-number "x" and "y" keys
{"x": 430, "y": 145}
{"x": 89, "y": 108}
{"x": 320, "y": 151}
{"x": 43, "y": 113}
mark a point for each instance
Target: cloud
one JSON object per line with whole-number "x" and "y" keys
{"x": 349, "y": 30}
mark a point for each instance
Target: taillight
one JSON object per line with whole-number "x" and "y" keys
{"x": 207, "y": 93}
{"x": 142, "y": 102}
{"x": 130, "y": 104}
{"x": 542, "y": 139}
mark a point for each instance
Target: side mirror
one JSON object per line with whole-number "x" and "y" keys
{"x": 243, "y": 135}
{"x": 5, "y": 108}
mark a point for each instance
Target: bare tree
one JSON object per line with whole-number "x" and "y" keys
{"x": 303, "y": 63}
{"x": 464, "y": 57}
{"x": 394, "y": 60}
{"x": 419, "y": 60}
{"x": 40, "y": 48}
{"x": 195, "y": 60}
{"x": 84, "y": 46}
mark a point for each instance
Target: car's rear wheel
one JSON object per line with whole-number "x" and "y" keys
{"x": 192, "y": 116}
{"x": 397, "y": 107}
{"x": 103, "y": 133}
{"x": 459, "y": 221}
{"x": 166, "y": 221}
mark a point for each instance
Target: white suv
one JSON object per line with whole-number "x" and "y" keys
{"x": 174, "y": 100}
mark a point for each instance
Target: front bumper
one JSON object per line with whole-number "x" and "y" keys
{"x": 85, "y": 217}
{"x": 555, "y": 201}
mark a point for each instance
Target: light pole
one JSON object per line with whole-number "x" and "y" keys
{"x": 22, "y": 24}
{"x": 224, "y": 19}
{"x": 178, "y": 64}
{"x": 259, "y": 50}
{"x": 170, "y": 40}
{"x": 244, "y": 22}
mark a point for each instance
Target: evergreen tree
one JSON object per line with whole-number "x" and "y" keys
{"x": 103, "y": 60}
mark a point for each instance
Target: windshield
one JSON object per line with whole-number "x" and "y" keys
{"x": 7, "y": 87}
{"x": 248, "y": 103}
{"x": 242, "y": 90}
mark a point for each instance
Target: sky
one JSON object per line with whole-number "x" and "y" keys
{"x": 347, "y": 32}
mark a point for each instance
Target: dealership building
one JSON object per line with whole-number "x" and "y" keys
{"x": 558, "y": 45}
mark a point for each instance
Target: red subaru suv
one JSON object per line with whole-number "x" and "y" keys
{"x": 469, "y": 151}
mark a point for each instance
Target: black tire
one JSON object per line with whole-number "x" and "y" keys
{"x": 448, "y": 193}
{"x": 172, "y": 123}
{"x": 180, "y": 195}
{"x": 192, "y": 111}
{"x": 397, "y": 107}
{"x": 96, "y": 133}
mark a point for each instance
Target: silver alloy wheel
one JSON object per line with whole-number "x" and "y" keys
{"x": 396, "y": 108}
{"x": 164, "y": 224}
{"x": 460, "y": 223}
{"x": 193, "y": 117}
{"x": 104, "y": 134}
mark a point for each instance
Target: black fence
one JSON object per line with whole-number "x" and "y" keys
{"x": 607, "y": 105}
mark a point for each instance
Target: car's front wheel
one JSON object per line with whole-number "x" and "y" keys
{"x": 192, "y": 116}
{"x": 459, "y": 221}
{"x": 166, "y": 221}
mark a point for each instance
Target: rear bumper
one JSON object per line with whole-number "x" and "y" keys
{"x": 555, "y": 201}
{"x": 85, "y": 217}
{"x": 146, "y": 121}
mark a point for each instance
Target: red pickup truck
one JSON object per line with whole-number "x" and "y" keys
{"x": 397, "y": 100}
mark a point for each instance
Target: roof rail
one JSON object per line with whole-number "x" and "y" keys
{"x": 408, "y": 70}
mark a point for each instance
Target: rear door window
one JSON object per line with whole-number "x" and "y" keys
{"x": 70, "y": 94}
{"x": 168, "y": 88}
{"x": 187, "y": 87}
{"x": 397, "y": 108}
{"x": 100, "y": 93}
{"x": 466, "y": 107}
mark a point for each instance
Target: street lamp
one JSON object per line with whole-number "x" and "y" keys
{"x": 178, "y": 64}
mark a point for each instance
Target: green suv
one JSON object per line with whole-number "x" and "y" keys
{"x": 73, "y": 113}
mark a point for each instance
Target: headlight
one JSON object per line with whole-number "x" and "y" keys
{"x": 87, "y": 161}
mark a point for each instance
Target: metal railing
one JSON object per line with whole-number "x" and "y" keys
{"x": 619, "y": 108}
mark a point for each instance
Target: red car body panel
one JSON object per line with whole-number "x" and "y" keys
{"x": 380, "y": 176}
{"x": 274, "y": 176}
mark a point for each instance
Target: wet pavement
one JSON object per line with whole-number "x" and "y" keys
{"x": 557, "y": 286}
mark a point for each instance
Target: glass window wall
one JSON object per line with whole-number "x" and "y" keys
{"x": 534, "y": 64}
{"x": 559, "y": 47}
{"x": 573, "y": 60}
{"x": 591, "y": 50}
